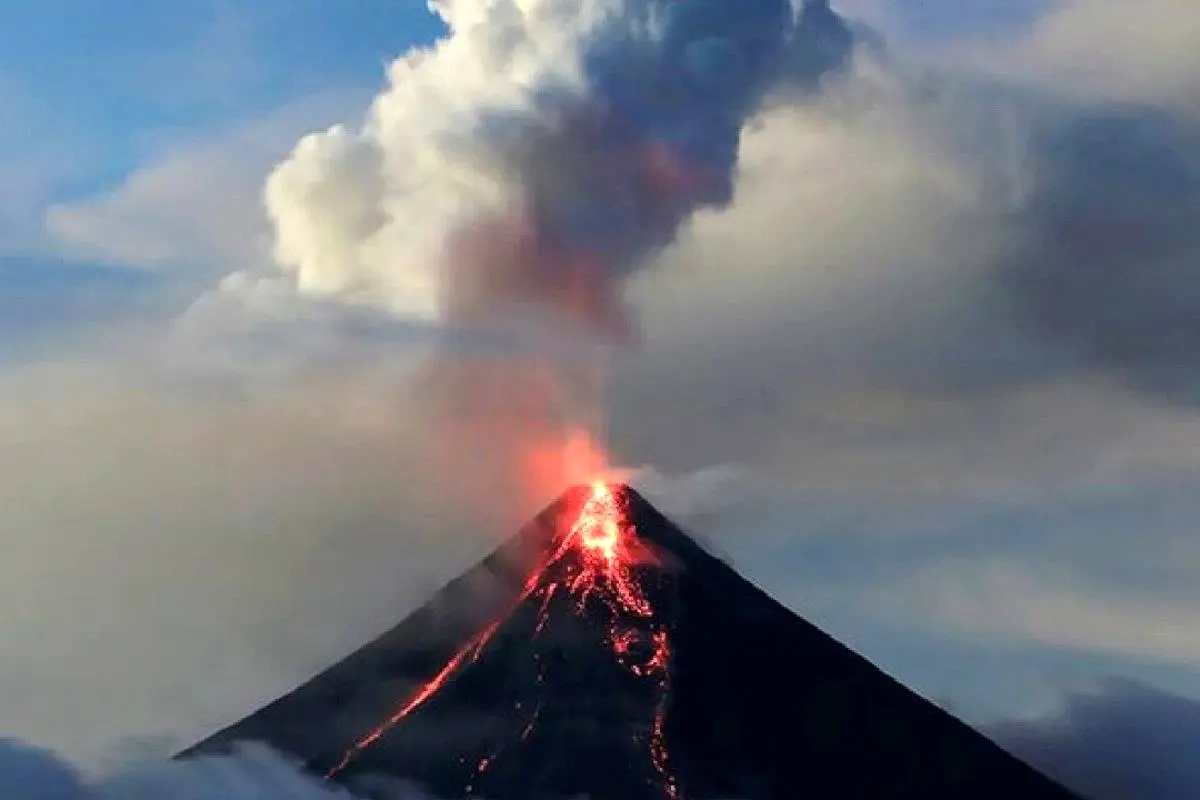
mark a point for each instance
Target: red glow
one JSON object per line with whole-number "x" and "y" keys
{"x": 604, "y": 570}
{"x": 599, "y": 525}
{"x": 608, "y": 546}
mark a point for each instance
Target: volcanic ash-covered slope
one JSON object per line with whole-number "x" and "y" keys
{"x": 617, "y": 659}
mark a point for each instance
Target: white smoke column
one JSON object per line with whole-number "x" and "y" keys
{"x": 536, "y": 155}
{"x": 519, "y": 170}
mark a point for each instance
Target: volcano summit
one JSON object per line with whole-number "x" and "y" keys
{"x": 603, "y": 653}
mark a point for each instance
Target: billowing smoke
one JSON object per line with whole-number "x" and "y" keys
{"x": 515, "y": 175}
{"x": 539, "y": 154}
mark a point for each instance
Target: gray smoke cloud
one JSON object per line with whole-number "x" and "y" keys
{"x": 517, "y": 174}
{"x": 540, "y": 153}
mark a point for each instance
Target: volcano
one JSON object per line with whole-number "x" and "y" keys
{"x": 603, "y": 653}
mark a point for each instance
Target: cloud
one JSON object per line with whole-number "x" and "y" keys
{"x": 253, "y": 772}
{"x": 893, "y": 322}
{"x": 538, "y": 155}
{"x": 179, "y": 552}
{"x": 38, "y": 155}
{"x": 38, "y": 774}
{"x": 1111, "y": 51}
{"x": 935, "y": 25}
{"x": 46, "y": 305}
{"x": 1007, "y": 235}
{"x": 1119, "y": 741}
{"x": 1024, "y": 601}
{"x": 1040, "y": 526}
{"x": 939, "y": 243}
{"x": 204, "y": 546}
{"x": 197, "y": 205}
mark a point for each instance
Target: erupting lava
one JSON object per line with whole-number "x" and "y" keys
{"x": 603, "y": 570}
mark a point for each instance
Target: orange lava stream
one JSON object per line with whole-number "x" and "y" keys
{"x": 604, "y": 539}
{"x": 467, "y": 653}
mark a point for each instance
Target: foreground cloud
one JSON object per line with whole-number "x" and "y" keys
{"x": 1121, "y": 741}
{"x": 253, "y": 773}
{"x": 181, "y": 550}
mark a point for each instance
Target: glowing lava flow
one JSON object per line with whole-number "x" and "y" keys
{"x": 606, "y": 540}
{"x": 606, "y": 547}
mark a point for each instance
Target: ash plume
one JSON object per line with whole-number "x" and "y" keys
{"x": 516, "y": 174}
{"x": 539, "y": 154}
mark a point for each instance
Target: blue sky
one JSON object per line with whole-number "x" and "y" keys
{"x": 98, "y": 91}
{"x": 121, "y": 69}
{"x": 136, "y": 140}
{"x": 101, "y": 86}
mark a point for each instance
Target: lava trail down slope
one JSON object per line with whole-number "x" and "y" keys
{"x": 602, "y": 652}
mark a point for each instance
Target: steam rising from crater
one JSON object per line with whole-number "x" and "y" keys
{"x": 539, "y": 154}
{"x": 514, "y": 175}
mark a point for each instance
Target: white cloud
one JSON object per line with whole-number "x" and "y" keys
{"x": 176, "y": 553}
{"x": 1110, "y": 50}
{"x": 35, "y": 156}
{"x": 535, "y": 156}
{"x": 1024, "y": 601}
{"x": 252, "y": 773}
{"x": 197, "y": 204}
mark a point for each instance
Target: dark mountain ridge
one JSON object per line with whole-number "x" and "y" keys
{"x": 751, "y": 702}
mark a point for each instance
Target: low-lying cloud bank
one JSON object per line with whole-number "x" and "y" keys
{"x": 254, "y": 773}
{"x": 1123, "y": 741}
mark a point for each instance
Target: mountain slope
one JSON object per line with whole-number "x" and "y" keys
{"x": 557, "y": 676}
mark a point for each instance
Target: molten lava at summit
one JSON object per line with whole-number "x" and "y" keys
{"x": 599, "y": 561}
{"x": 601, "y": 652}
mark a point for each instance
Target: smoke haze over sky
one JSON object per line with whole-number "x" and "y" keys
{"x": 913, "y": 336}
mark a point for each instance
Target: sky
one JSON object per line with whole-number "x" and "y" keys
{"x": 929, "y": 374}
